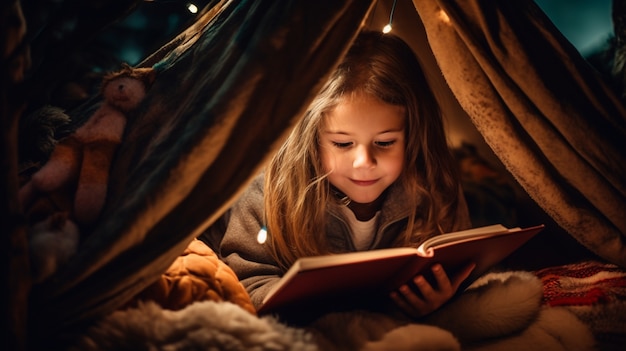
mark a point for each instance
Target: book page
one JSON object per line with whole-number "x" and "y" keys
{"x": 315, "y": 262}
{"x": 464, "y": 235}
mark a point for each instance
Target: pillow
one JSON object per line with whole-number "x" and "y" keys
{"x": 196, "y": 275}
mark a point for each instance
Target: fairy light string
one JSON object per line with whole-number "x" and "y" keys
{"x": 387, "y": 28}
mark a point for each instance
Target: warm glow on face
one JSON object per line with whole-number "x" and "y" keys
{"x": 362, "y": 147}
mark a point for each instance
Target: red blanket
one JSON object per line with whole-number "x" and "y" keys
{"x": 584, "y": 283}
{"x": 596, "y": 292}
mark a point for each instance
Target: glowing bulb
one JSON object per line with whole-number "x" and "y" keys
{"x": 262, "y": 236}
{"x": 387, "y": 28}
{"x": 192, "y": 8}
{"x": 443, "y": 16}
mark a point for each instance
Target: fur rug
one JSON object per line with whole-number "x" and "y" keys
{"x": 206, "y": 325}
{"x": 500, "y": 311}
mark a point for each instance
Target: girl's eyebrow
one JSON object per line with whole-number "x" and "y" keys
{"x": 328, "y": 131}
{"x": 397, "y": 130}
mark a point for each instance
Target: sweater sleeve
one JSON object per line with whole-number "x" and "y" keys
{"x": 240, "y": 249}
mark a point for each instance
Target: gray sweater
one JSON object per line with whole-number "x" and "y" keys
{"x": 255, "y": 267}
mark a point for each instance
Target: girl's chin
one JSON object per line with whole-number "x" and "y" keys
{"x": 364, "y": 200}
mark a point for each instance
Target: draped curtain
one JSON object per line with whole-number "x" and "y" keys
{"x": 227, "y": 90}
{"x": 543, "y": 110}
{"x": 230, "y": 87}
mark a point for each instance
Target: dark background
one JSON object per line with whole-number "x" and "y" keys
{"x": 148, "y": 25}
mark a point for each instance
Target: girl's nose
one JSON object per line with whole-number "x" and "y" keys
{"x": 363, "y": 157}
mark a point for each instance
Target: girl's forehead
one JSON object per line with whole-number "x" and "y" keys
{"x": 361, "y": 97}
{"x": 364, "y": 112}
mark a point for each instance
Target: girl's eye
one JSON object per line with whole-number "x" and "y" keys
{"x": 384, "y": 144}
{"x": 342, "y": 145}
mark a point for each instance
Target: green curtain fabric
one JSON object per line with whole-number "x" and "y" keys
{"x": 226, "y": 92}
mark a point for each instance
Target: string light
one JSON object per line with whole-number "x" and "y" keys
{"x": 387, "y": 28}
{"x": 262, "y": 236}
{"x": 192, "y": 8}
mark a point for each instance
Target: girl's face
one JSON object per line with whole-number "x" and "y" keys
{"x": 362, "y": 146}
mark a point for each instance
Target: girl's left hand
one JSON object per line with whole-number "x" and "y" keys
{"x": 431, "y": 299}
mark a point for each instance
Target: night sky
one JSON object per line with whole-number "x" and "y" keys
{"x": 586, "y": 23}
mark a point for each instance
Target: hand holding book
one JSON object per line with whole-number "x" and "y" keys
{"x": 385, "y": 270}
{"x": 419, "y": 297}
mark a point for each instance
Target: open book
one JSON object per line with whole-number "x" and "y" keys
{"x": 381, "y": 271}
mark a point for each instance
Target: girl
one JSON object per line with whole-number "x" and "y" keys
{"x": 367, "y": 167}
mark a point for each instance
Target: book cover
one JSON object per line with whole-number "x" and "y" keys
{"x": 383, "y": 270}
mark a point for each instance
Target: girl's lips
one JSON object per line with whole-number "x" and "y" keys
{"x": 364, "y": 182}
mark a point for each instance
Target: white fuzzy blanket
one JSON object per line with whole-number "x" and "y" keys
{"x": 501, "y": 311}
{"x": 205, "y": 325}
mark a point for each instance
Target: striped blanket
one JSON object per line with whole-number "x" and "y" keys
{"x": 593, "y": 290}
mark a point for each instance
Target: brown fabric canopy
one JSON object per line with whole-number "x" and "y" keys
{"x": 230, "y": 87}
{"x": 542, "y": 109}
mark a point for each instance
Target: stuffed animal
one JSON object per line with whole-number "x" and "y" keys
{"x": 196, "y": 275}
{"x": 79, "y": 165}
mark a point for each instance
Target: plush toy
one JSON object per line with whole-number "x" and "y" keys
{"x": 196, "y": 275}
{"x": 79, "y": 165}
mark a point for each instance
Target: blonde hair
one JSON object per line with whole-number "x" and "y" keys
{"x": 297, "y": 192}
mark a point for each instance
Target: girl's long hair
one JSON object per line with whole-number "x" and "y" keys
{"x": 297, "y": 193}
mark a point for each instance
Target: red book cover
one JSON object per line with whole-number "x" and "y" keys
{"x": 380, "y": 271}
